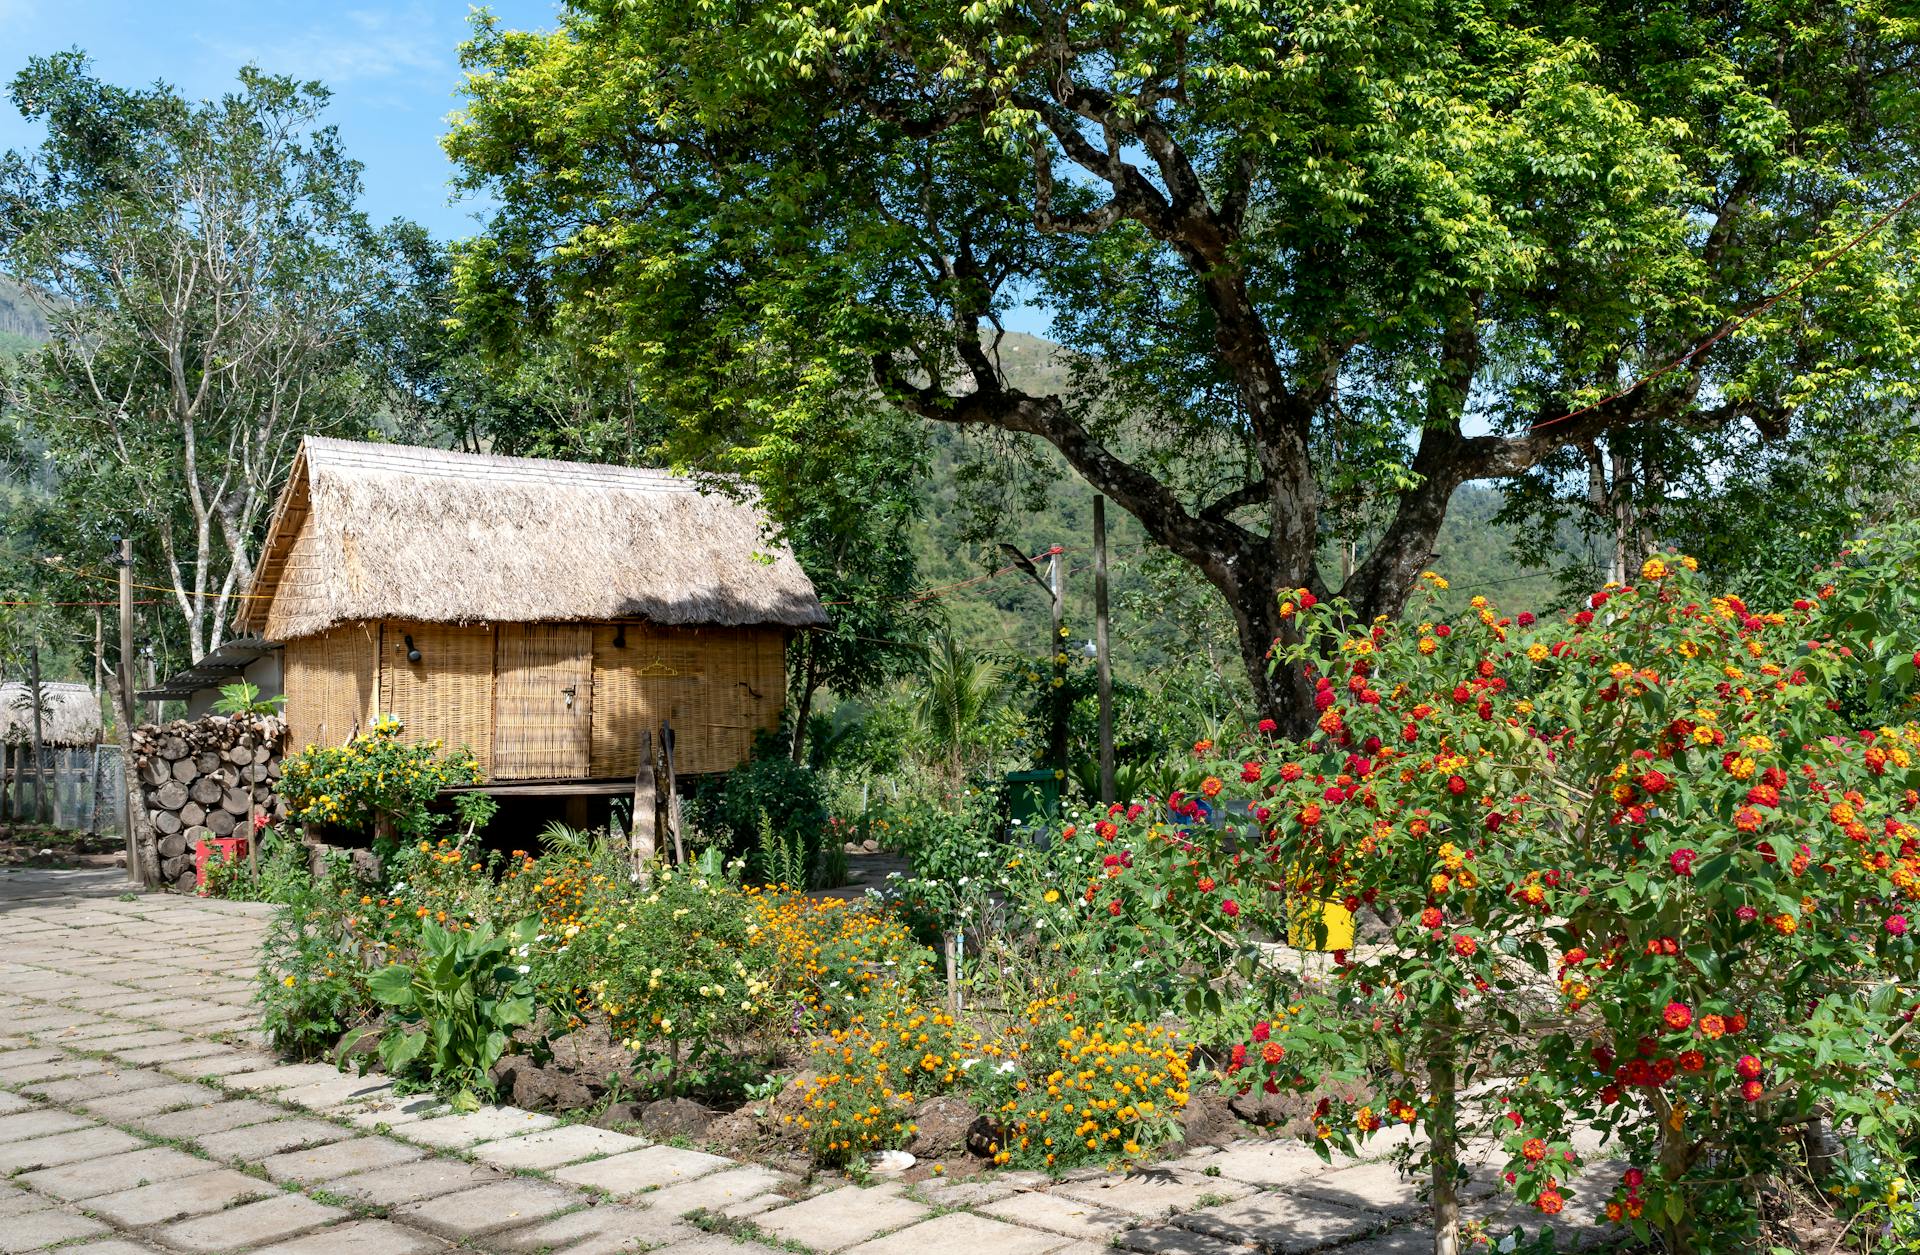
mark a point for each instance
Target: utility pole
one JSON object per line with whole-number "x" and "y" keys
{"x": 1103, "y": 664}
{"x": 99, "y": 655}
{"x": 1057, "y": 737}
{"x": 39, "y": 764}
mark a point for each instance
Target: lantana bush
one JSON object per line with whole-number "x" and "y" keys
{"x": 1632, "y": 872}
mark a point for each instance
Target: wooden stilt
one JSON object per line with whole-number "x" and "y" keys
{"x": 673, "y": 793}
{"x": 644, "y": 837}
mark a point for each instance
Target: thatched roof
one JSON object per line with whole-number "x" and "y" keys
{"x": 374, "y": 531}
{"x": 69, "y": 713}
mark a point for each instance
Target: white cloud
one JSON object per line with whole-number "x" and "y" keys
{"x": 360, "y": 45}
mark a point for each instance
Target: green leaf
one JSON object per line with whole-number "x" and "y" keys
{"x": 392, "y": 985}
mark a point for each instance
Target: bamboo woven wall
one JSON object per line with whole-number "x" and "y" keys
{"x": 718, "y": 686}
{"x": 329, "y": 684}
{"x": 447, "y": 695}
{"x": 500, "y": 692}
{"x": 542, "y": 701}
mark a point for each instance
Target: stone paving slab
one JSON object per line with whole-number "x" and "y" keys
{"x": 167, "y": 1201}
{"x": 1060, "y": 1214}
{"x": 39, "y": 1122}
{"x": 339, "y": 1159}
{"x": 110, "y": 1246}
{"x": 842, "y": 1218}
{"x": 95, "y": 1085}
{"x": 152, "y": 1101}
{"x": 250, "y": 1224}
{"x": 1282, "y": 1224}
{"x": 62, "y": 1148}
{"x": 392, "y": 1110}
{"x": 714, "y": 1244}
{"x": 1165, "y": 1239}
{"x": 15, "y": 1201}
{"x": 42, "y": 1229}
{"x": 88, "y": 1177}
{"x": 254, "y": 1142}
{"x": 716, "y": 1190}
{"x": 555, "y": 1148}
{"x": 1153, "y": 1192}
{"x": 474, "y": 1127}
{"x": 195, "y": 1122}
{"x": 1262, "y": 1163}
{"x": 650, "y": 1168}
{"x": 285, "y": 1077}
{"x": 365, "y": 1237}
{"x": 338, "y": 1090}
{"x": 488, "y": 1209}
{"x": 612, "y": 1229}
{"x": 962, "y": 1233}
{"x": 409, "y": 1183}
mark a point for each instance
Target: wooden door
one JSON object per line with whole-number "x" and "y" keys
{"x": 542, "y": 701}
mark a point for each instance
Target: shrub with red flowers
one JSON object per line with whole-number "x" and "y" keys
{"x": 1632, "y": 871}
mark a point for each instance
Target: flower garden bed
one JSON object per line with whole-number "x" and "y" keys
{"x": 1633, "y": 871}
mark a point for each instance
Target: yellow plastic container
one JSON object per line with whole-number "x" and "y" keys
{"x": 1320, "y": 926}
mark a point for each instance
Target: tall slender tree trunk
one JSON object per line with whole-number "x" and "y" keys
{"x": 803, "y": 711}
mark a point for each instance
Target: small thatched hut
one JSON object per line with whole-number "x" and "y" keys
{"x": 69, "y": 714}
{"x": 541, "y": 613}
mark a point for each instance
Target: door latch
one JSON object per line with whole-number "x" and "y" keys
{"x": 569, "y": 692}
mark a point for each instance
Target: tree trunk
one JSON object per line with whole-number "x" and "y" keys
{"x": 1282, "y": 695}
{"x": 809, "y": 683}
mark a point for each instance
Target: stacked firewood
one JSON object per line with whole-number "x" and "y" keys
{"x": 206, "y": 778}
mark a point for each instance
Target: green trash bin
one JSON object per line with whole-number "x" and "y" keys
{"x": 1033, "y": 800}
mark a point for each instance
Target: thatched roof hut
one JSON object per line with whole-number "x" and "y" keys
{"x": 392, "y": 531}
{"x": 69, "y": 713}
{"x": 541, "y": 613}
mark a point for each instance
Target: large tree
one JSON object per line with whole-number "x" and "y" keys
{"x": 202, "y": 265}
{"x": 1307, "y": 252}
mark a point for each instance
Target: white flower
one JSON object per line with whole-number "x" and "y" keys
{"x": 524, "y": 969}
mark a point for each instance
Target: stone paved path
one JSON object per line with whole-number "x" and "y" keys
{"x": 138, "y": 1113}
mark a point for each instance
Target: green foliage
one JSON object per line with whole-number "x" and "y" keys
{"x": 453, "y": 1008}
{"x": 1292, "y": 252}
{"x": 376, "y": 784}
{"x": 279, "y": 872}
{"x": 313, "y": 979}
{"x": 956, "y": 692}
{"x": 772, "y": 811}
{"x": 203, "y": 265}
{"x": 243, "y": 698}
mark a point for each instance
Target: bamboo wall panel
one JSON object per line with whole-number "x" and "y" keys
{"x": 329, "y": 682}
{"x": 448, "y": 695}
{"x": 717, "y": 686}
{"x": 542, "y": 701}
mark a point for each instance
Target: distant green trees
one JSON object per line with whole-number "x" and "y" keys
{"x": 204, "y": 264}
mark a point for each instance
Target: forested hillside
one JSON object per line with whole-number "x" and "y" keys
{"x": 1164, "y": 616}
{"x": 21, "y": 322}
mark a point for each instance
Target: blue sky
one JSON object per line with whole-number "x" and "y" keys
{"x": 392, "y": 68}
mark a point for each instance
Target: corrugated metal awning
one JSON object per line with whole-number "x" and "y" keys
{"x": 216, "y": 667}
